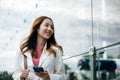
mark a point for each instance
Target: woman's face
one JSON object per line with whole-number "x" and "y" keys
{"x": 46, "y": 29}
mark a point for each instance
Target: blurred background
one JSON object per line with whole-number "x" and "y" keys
{"x": 79, "y": 24}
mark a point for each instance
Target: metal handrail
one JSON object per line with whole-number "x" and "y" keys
{"x": 108, "y": 46}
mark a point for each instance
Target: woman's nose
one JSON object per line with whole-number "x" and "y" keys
{"x": 49, "y": 28}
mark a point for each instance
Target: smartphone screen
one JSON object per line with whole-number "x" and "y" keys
{"x": 38, "y": 69}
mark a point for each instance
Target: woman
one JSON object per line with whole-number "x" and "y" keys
{"x": 41, "y": 49}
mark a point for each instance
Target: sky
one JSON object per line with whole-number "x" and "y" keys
{"x": 72, "y": 21}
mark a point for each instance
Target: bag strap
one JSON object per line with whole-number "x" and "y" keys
{"x": 25, "y": 62}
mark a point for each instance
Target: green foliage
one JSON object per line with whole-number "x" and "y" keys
{"x": 5, "y": 76}
{"x": 66, "y": 68}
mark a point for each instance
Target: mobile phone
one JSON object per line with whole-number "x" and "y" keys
{"x": 38, "y": 69}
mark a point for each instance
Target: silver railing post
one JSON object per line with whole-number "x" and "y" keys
{"x": 92, "y": 52}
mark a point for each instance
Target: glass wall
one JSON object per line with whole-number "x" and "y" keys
{"x": 106, "y": 22}
{"x": 79, "y": 25}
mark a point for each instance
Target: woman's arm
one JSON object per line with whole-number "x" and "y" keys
{"x": 20, "y": 73}
{"x": 59, "y": 73}
{"x": 18, "y": 68}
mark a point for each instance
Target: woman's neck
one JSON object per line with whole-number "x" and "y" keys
{"x": 41, "y": 42}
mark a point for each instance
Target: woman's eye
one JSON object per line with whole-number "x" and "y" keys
{"x": 46, "y": 25}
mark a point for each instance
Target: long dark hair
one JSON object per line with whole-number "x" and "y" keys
{"x": 30, "y": 42}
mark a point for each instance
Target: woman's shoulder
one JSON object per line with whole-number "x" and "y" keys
{"x": 57, "y": 50}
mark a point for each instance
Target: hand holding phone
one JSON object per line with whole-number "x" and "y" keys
{"x": 38, "y": 69}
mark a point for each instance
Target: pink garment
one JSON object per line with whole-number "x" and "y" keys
{"x": 39, "y": 52}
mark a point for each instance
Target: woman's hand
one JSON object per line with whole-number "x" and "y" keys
{"x": 24, "y": 74}
{"x": 44, "y": 75}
